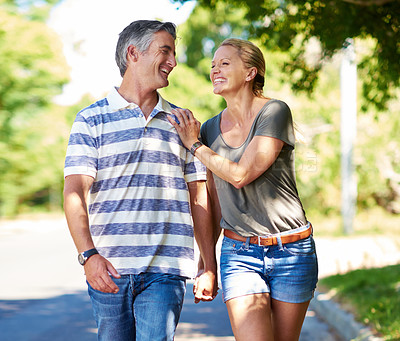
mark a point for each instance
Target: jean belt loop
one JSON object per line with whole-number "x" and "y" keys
{"x": 247, "y": 245}
{"x": 279, "y": 240}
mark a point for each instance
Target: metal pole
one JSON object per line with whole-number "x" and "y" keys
{"x": 348, "y": 128}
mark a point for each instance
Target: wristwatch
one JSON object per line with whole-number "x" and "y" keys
{"x": 84, "y": 256}
{"x": 195, "y": 146}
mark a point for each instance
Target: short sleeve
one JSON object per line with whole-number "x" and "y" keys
{"x": 275, "y": 120}
{"x": 194, "y": 169}
{"x": 209, "y": 130}
{"x": 82, "y": 153}
{"x": 203, "y": 134}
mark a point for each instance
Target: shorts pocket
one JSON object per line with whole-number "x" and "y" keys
{"x": 231, "y": 246}
{"x": 303, "y": 247}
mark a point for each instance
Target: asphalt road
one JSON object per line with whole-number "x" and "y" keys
{"x": 43, "y": 292}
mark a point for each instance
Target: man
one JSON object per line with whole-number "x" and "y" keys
{"x": 128, "y": 181}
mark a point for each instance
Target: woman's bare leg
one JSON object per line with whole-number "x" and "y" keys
{"x": 250, "y": 317}
{"x": 287, "y": 319}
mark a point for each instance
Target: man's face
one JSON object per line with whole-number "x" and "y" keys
{"x": 155, "y": 64}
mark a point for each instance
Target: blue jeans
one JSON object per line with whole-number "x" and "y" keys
{"x": 147, "y": 307}
{"x": 288, "y": 272}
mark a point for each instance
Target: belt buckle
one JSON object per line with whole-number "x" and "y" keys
{"x": 268, "y": 241}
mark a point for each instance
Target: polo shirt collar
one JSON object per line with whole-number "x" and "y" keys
{"x": 117, "y": 102}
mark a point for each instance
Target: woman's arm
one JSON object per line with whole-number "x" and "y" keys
{"x": 259, "y": 155}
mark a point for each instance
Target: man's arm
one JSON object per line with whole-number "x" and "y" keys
{"x": 215, "y": 207}
{"x": 97, "y": 268}
{"x": 206, "y": 283}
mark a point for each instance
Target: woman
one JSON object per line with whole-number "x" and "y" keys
{"x": 268, "y": 260}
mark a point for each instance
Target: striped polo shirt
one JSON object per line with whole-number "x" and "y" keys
{"x": 139, "y": 209}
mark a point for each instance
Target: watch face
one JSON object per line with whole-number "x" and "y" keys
{"x": 81, "y": 259}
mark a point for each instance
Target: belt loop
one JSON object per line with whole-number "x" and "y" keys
{"x": 279, "y": 241}
{"x": 247, "y": 245}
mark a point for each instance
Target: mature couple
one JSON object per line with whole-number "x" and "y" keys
{"x": 140, "y": 184}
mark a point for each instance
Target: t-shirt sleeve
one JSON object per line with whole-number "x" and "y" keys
{"x": 276, "y": 121}
{"x": 203, "y": 134}
{"x": 194, "y": 169}
{"x": 82, "y": 153}
{"x": 209, "y": 130}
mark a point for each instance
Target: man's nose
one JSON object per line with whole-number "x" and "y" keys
{"x": 172, "y": 61}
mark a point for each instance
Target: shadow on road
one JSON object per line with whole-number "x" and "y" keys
{"x": 205, "y": 320}
{"x": 67, "y": 317}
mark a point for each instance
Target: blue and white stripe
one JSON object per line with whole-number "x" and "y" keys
{"x": 139, "y": 209}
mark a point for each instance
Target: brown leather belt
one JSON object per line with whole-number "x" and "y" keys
{"x": 266, "y": 241}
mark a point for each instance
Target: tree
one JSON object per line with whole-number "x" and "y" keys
{"x": 32, "y": 71}
{"x": 292, "y": 25}
{"x": 317, "y": 161}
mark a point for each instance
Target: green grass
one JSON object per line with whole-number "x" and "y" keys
{"x": 372, "y": 295}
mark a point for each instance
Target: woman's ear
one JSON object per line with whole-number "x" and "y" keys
{"x": 252, "y": 74}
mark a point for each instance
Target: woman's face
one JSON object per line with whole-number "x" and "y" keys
{"x": 228, "y": 73}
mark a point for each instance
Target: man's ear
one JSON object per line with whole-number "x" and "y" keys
{"x": 252, "y": 74}
{"x": 132, "y": 53}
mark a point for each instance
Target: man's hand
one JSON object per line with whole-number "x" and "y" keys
{"x": 205, "y": 286}
{"x": 98, "y": 271}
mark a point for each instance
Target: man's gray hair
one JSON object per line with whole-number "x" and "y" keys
{"x": 139, "y": 33}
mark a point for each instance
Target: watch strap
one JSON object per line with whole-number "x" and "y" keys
{"x": 84, "y": 256}
{"x": 195, "y": 146}
{"x": 90, "y": 252}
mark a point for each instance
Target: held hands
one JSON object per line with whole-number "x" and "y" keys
{"x": 205, "y": 287}
{"x": 188, "y": 127}
{"x": 98, "y": 271}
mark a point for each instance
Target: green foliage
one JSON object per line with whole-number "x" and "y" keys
{"x": 32, "y": 72}
{"x": 32, "y": 68}
{"x": 206, "y": 30}
{"x": 34, "y": 132}
{"x": 316, "y": 113}
{"x": 32, "y": 10}
{"x": 290, "y": 25}
{"x": 188, "y": 89}
{"x": 375, "y": 295}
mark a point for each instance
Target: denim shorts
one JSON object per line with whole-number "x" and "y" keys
{"x": 288, "y": 272}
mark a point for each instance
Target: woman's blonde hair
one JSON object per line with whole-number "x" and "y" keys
{"x": 251, "y": 56}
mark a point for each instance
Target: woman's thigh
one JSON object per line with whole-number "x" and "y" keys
{"x": 250, "y": 317}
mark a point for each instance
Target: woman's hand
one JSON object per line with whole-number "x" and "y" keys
{"x": 188, "y": 127}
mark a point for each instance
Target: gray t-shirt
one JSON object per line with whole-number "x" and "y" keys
{"x": 270, "y": 204}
